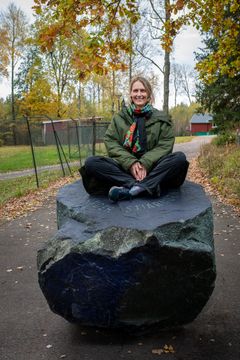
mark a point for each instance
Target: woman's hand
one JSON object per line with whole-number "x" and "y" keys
{"x": 138, "y": 171}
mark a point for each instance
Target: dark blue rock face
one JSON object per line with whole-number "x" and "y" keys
{"x": 133, "y": 265}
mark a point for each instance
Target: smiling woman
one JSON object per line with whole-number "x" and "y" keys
{"x": 141, "y": 93}
{"x": 139, "y": 142}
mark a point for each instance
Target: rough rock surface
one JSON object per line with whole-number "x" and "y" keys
{"x": 134, "y": 264}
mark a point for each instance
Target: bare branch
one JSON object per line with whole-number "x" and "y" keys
{"x": 155, "y": 12}
{"x": 151, "y": 60}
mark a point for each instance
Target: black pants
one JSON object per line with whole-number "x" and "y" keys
{"x": 99, "y": 174}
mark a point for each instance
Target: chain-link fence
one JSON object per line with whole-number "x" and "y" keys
{"x": 16, "y": 133}
{"x": 79, "y": 137}
{"x": 63, "y": 144}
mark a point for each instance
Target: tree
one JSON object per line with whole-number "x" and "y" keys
{"x": 159, "y": 15}
{"x": 141, "y": 46}
{"x": 13, "y": 29}
{"x": 30, "y": 69}
{"x": 186, "y": 76}
{"x": 3, "y": 54}
{"x": 183, "y": 79}
{"x": 181, "y": 115}
{"x": 221, "y": 96}
{"x": 222, "y": 18}
{"x": 39, "y": 100}
{"x": 103, "y": 23}
{"x": 5, "y": 132}
{"x": 219, "y": 63}
{"x": 176, "y": 80}
{"x": 61, "y": 70}
{"x": 100, "y": 20}
{"x": 92, "y": 37}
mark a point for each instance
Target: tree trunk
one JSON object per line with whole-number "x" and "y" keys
{"x": 12, "y": 90}
{"x": 166, "y": 82}
{"x": 175, "y": 98}
{"x": 13, "y": 105}
{"x": 79, "y": 99}
{"x": 166, "y": 65}
{"x": 130, "y": 55}
{"x": 12, "y": 84}
{"x": 59, "y": 104}
{"x": 98, "y": 96}
{"x": 113, "y": 92}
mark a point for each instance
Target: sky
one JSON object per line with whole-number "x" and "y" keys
{"x": 186, "y": 43}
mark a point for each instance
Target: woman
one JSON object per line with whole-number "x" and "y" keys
{"x": 139, "y": 143}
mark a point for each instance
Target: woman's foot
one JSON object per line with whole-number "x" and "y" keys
{"x": 117, "y": 193}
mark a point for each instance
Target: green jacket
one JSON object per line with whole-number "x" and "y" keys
{"x": 160, "y": 139}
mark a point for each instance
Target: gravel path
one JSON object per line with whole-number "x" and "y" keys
{"x": 16, "y": 174}
{"x": 192, "y": 148}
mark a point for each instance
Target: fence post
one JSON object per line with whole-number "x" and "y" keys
{"x": 33, "y": 155}
{"x": 68, "y": 137}
{"x": 58, "y": 143}
{"x": 94, "y": 137}
{"x": 78, "y": 142}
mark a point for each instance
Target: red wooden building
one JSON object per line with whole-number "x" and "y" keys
{"x": 201, "y": 124}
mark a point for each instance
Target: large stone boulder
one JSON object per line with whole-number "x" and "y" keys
{"x": 135, "y": 264}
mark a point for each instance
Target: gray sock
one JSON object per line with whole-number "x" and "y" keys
{"x": 135, "y": 190}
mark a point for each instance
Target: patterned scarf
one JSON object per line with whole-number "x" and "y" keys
{"x": 135, "y": 138}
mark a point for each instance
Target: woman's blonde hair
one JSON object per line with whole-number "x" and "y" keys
{"x": 146, "y": 84}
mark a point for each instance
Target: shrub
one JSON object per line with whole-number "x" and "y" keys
{"x": 222, "y": 166}
{"x": 225, "y": 139}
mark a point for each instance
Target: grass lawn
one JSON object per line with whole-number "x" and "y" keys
{"x": 21, "y": 186}
{"x": 14, "y": 188}
{"x": 14, "y": 158}
{"x": 183, "y": 139}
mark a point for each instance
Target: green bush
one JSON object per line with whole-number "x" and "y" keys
{"x": 1, "y": 142}
{"x": 225, "y": 139}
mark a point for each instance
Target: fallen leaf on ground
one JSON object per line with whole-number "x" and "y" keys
{"x": 157, "y": 351}
{"x": 18, "y": 207}
{"x": 197, "y": 175}
{"x": 20, "y": 268}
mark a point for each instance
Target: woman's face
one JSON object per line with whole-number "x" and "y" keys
{"x": 139, "y": 95}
